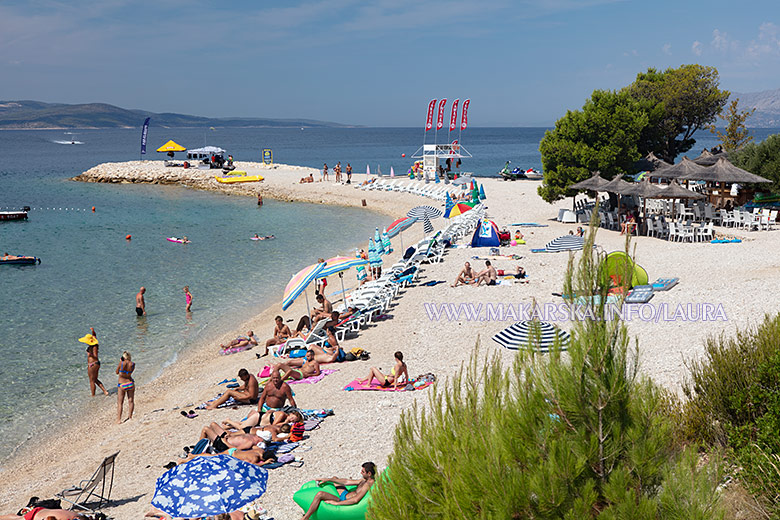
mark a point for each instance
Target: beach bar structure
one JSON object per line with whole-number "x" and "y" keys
{"x": 432, "y": 154}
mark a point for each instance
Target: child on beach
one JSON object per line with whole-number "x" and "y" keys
{"x": 188, "y": 297}
{"x": 125, "y": 386}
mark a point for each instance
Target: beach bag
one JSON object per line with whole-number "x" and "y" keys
{"x": 500, "y": 272}
{"x": 356, "y": 351}
{"x": 494, "y": 251}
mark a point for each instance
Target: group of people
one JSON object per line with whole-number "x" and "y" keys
{"x": 488, "y": 276}
{"x": 325, "y": 177}
{"x": 124, "y": 371}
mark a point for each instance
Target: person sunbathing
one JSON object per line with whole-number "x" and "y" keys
{"x": 465, "y": 277}
{"x": 276, "y": 393}
{"x": 489, "y": 275}
{"x": 332, "y": 353}
{"x": 321, "y": 312}
{"x": 345, "y": 497}
{"x": 221, "y": 441}
{"x": 256, "y": 455}
{"x": 281, "y": 333}
{"x": 248, "y": 341}
{"x": 248, "y": 393}
{"x": 257, "y": 419}
{"x": 397, "y": 373}
{"x": 310, "y": 368}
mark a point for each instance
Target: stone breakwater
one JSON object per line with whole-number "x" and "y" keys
{"x": 281, "y": 182}
{"x": 155, "y": 172}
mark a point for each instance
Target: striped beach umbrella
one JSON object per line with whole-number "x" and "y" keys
{"x": 399, "y": 225}
{"x": 458, "y": 209}
{"x": 374, "y": 258}
{"x": 386, "y": 242}
{"x": 339, "y": 264}
{"x": 482, "y": 192}
{"x": 299, "y": 282}
{"x": 448, "y": 203}
{"x": 380, "y": 246}
{"x": 426, "y": 213}
{"x": 537, "y": 335}
{"x": 565, "y": 243}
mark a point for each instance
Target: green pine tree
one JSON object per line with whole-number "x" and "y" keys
{"x": 561, "y": 436}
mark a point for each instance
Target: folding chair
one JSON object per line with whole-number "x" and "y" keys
{"x": 80, "y": 495}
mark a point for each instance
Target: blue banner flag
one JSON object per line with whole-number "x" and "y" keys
{"x": 143, "y": 135}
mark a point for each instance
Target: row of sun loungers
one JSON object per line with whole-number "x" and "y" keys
{"x": 434, "y": 191}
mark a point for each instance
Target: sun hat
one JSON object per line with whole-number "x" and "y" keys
{"x": 89, "y": 339}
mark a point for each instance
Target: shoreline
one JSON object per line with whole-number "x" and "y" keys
{"x": 362, "y": 427}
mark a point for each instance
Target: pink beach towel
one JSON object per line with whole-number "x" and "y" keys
{"x": 357, "y": 385}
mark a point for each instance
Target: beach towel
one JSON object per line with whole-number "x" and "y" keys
{"x": 287, "y": 458}
{"x": 230, "y": 402}
{"x": 529, "y": 224}
{"x": 538, "y": 250}
{"x": 432, "y": 283}
{"x": 640, "y": 294}
{"x": 664, "y": 284}
{"x": 266, "y": 372}
{"x": 357, "y": 385}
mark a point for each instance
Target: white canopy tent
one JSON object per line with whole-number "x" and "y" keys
{"x": 204, "y": 153}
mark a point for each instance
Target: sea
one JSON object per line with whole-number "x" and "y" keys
{"x": 89, "y": 273}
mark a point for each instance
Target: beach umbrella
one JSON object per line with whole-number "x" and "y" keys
{"x": 426, "y": 213}
{"x": 208, "y": 486}
{"x": 339, "y": 264}
{"x": 482, "y": 192}
{"x": 537, "y": 335}
{"x": 298, "y": 284}
{"x": 707, "y": 158}
{"x": 380, "y": 247}
{"x": 392, "y": 172}
{"x": 458, "y": 209}
{"x": 171, "y": 146}
{"x": 651, "y": 163}
{"x": 448, "y": 203}
{"x": 594, "y": 183}
{"x": 386, "y": 242}
{"x": 724, "y": 171}
{"x": 461, "y": 181}
{"x": 681, "y": 169}
{"x": 565, "y": 243}
{"x": 616, "y": 185}
{"x": 374, "y": 258}
{"x": 399, "y": 225}
{"x": 368, "y": 170}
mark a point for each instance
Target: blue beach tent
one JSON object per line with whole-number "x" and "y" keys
{"x": 486, "y": 235}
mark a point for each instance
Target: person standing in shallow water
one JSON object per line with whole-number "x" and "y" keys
{"x": 93, "y": 363}
{"x": 140, "y": 303}
{"x": 188, "y": 298}
{"x": 125, "y": 386}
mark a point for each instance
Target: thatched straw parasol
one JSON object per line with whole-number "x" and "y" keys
{"x": 681, "y": 169}
{"x": 724, "y": 171}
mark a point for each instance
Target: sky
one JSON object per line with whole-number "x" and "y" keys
{"x": 373, "y": 63}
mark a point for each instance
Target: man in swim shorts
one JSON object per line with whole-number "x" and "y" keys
{"x": 309, "y": 369}
{"x": 321, "y": 312}
{"x": 345, "y": 498}
{"x": 248, "y": 393}
{"x": 275, "y": 393}
{"x": 140, "y": 304}
{"x": 489, "y": 275}
{"x": 221, "y": 440}
{"x": 281, "y": 333}
{"x": 466, "y": 276}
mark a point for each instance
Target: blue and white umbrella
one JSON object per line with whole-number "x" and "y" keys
{"x": 386, "y": 243}
{"x": 565, "y": 243}
{"x": 426, "y": 213}
{"x": 537, "y": 335}
{"x": 208, "y": 486}
{"x": 380, "y": 247}
{"x": 374, "y": 258}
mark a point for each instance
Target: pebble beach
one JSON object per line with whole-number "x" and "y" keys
{"x": 739, "y": 277}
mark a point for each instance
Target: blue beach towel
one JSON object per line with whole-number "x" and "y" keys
{"x": 664, "y": 284}
{"x": 529, "y": 224}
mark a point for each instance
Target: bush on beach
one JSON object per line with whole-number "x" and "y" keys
{"x": 575, "y": 435}
{"x": 734, "y": 404}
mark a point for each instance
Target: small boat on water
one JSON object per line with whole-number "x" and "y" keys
{"x": 518, "y": 174}
{"x": 19, "y": 260}
{"x": 15, "y": 215}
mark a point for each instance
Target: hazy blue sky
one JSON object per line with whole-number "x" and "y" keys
{"x": 522, "y": 62}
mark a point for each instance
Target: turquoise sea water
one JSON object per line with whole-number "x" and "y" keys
{"x": 90, "y": 273}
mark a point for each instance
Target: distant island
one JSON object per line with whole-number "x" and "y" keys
{"x": 30, "y": 115}
{"x": 767, "y": 105}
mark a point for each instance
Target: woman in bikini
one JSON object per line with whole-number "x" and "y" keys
{"x": 398, "y": 373}
{"x": 125, "y": 387}
{"x": 93, "y": 363}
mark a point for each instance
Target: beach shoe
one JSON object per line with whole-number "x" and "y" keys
{"x": 189, "y": 415}
{"x": 170, "y": 465}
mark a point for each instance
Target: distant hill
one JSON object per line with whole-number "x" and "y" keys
{"x": 26, "y": 114}
{"x": 767, "y": 105}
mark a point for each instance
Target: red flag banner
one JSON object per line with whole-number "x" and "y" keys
{"x": 429, "y": 120}
{"x": 464, "y": 120}
{"x": 440, "y": 118}
{"x": 454, "y": 116}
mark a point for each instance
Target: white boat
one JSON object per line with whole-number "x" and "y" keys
{"x": 533, "y": 174}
